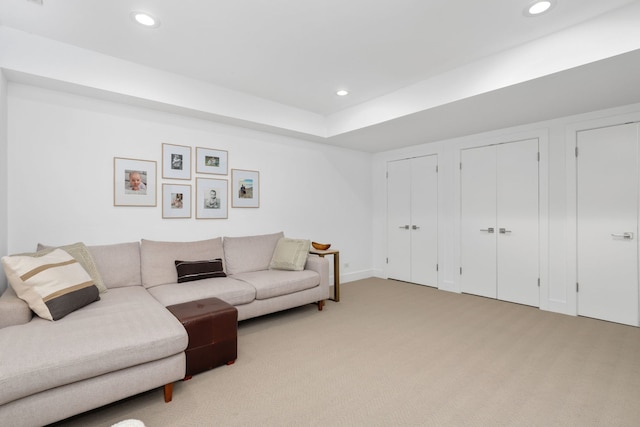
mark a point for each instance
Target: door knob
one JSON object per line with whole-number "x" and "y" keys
{"x": 626, "y": 235}
{"x": 488, "y": 230}
{"x": 504, "y": 231}
{"x": 415, "y": 227}
{"x": 406, "y": 227}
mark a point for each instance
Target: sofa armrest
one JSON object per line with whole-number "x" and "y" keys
{"x": 321, "y": 266}
{"x": 13, "y": 310}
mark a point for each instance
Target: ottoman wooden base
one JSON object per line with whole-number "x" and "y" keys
{"x": 212, "y": 326}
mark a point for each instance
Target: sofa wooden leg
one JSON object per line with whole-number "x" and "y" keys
{"x": 168, "y": 392}
{"x": 320, "y": 305}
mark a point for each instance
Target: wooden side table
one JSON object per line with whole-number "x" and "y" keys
{"x": 336, "y": 269}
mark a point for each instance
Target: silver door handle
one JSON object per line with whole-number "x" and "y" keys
{"x": 415, "y": 227}
{"x": 406, "y": 227}
{"x": 488, "y": 230}
{"x": 504, "y": 231}
{"x": 625, "y": 235}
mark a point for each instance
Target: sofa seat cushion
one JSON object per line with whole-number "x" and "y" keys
{"x": 274, "y": 283}
{"x": 231, "y": 291}
{"x": 127, "y": 327}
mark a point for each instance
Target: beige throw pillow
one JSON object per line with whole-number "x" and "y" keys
{"x": 290, "y": 254}
{"x": 81, "y": 253}
{"x": 53, "y": 285}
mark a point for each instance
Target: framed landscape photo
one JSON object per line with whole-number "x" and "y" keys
{"x": 245, "y": 188}
{"x": 212, "y": 161}
{"x": 176, "y": 161}
{"x": 176, "y": 201}
{"x": 134, "y": 182}
{"x": 212, "y": 199}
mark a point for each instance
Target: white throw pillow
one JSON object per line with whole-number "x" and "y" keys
{"x": 80, "y": 252}
{"x": 290, "y": 254}
{"x": 53, "y": 285}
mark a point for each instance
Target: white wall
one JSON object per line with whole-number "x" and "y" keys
{"x": 557, "y": 200}
{"x": 60, "y": 186}
{"x": 3, "y": 175}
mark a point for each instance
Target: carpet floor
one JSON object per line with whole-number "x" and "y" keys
{"x": 396, "y": 354}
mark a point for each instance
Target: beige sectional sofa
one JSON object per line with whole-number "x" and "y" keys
{"x": 128, "y": 342}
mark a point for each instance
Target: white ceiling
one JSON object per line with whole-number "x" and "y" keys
{"x": 299, "y": 52}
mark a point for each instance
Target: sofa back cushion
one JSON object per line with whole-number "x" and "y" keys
{"x": 249, "y": 253}
{"x": 118, "y": 264}
{"x": 158, "y": 258}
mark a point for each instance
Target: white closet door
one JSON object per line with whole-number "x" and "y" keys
{"x": 607, "y": 223}
{"x": 478, "y": 221}
{"x": 517, "y": 222}
{"x": 399, "y": 220}
{"x": 424, "y": 220}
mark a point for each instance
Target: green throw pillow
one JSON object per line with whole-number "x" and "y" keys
{"x": 290, "y": 254}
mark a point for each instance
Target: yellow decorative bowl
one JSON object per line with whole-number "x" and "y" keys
{"x": 321, "y": 246}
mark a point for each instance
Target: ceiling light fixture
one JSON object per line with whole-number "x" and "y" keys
{"x": 342, "y": 92}
{"x": 145, "y": 19}
{"x": 539, "y": 7}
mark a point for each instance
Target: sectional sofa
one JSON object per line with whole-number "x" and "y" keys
{"x": 127, "y": 342}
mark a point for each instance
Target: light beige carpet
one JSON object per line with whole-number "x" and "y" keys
{"x": 397, "y": 354}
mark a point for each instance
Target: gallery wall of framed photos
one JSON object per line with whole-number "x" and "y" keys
{"x": 135, "y": 183}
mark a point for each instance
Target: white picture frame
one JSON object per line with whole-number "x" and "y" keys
{"x": 245, "y": 185}
{"x": 176, "y": 161}
{"x": 212, "y": 161}
{"x": 134, "y": 182}
{"x": 212, "y": 198}
{"x": 176, "y": 201}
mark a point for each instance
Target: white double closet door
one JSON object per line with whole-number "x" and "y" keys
{"x": 607, "y": 223}
{"x": 412, "y": 220}
{"x": 499, "y": 223}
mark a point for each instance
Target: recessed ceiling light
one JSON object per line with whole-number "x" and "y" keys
{"x": 145, "y": 19}
{"x": 342, "y": 92}
{"x": 539, "y": 7}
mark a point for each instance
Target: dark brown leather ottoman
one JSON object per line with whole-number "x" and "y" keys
{"x": 212, "y": 326}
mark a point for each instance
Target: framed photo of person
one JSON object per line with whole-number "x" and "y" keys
{"x": 212, "y": 161}
{"x": 212, "y": 199}
{"x": 176, "y": 201}
{"x": 176, "y": 161}
{"x": 134, "y": 182}
{"x": 245, "y": 188}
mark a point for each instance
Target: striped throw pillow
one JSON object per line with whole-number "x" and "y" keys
{"x": 189, "y": 271}
{"x": 53, "y": 285}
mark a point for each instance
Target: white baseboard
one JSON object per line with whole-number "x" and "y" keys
{"x": 353, "y": 276}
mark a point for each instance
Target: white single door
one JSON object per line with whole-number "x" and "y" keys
{"x": 517, "y": 222}
{"x": 424, "y": 220}
{"x": 399, "y": 220}
{"x": 607, "y": 223}
{"x": 478, "y": 221}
